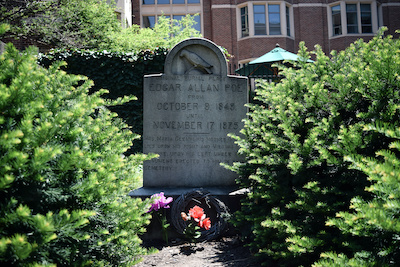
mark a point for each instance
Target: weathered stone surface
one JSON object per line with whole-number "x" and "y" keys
{"x": 188, "y": 112}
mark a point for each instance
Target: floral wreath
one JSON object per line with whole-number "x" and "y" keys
{"x": 200, "y": 196}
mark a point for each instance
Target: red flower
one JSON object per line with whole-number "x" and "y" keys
{"x": 206, "y": 223}
{"x": 196, "y": 213}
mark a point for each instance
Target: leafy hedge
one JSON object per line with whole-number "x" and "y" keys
{"x": 297, "y": 143}
{"x": 375, "y": 222}
{"x": 120, "y": 73}
{"x": 63, "y": 178}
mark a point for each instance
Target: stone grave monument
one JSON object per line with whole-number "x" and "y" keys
{"x": 188, "y": 111}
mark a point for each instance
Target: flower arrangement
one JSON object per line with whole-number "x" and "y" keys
{"x": 197, "y": 220}
{"x": 158, "y": 202}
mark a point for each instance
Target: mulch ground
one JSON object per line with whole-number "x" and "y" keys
{"x": 226, "y": 251}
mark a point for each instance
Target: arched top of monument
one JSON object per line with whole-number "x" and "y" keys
{"x": 196, "y": 56}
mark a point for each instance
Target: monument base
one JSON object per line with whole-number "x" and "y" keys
{"x": 218, "y": 202}
{"x": 144, "y": 192}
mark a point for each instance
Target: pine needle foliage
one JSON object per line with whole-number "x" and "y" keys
{"x": 295, "y": 142}
{"x": 63, "y": 177}
{"x": 376, "y": 220}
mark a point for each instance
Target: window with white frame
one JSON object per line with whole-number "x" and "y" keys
{"x": 351, "y": 16}
{"x": 260, "y": 24}
{"x": 366, "y": 18}
{"x": 287, "y": 20}
{"x": 176, "y": 9}
{"x": 274, "y": 19}
{"x": 150, "y": 21}
{"x": 336, "y": 20}
{"x": 267, "y": 18}
{"x": 167, "y": 2}
{"x": 244, "y": 18}
{"x": 151, "y": 10}
{"x": 354, "y": 18}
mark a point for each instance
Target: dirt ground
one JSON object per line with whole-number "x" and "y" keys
{"x": 227, "y": 251}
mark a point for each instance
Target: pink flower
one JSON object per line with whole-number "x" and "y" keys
{"x": 159, "y": 201}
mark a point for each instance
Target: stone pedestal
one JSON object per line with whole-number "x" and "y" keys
{"x": 188, "y": 112}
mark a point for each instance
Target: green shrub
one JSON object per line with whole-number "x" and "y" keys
{"x": 295, "y": 142}
{"x": 63, "y": 178}
{"x": 62, "y": 23}
{"x": 167, "y": 32}
{"x": 120, "y": 73}
{"x": 377, "y": 220}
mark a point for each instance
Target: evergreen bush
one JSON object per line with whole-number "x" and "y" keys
{"x": 295, "y": 143}
{"x": 64, "y": 179}
{"x": 375, "y": 223}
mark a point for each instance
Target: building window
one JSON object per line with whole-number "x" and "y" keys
{"x": 379, "y": 17}
{"x": 336, "y": 20}
{"x": 287, "y": 21}
{"x": 244, "y": 17}
{"x": 366, "y": 18}
{"x": 149, "y": 21}
{"x": 265, "y": 19}
{"x": 196, "y": 18}
{"x": 197, "y": 26}
{"x": 178, "y": 17}
{"x": 260, "y": 26}
{"x": 351, "y": 14}
{"x": 151, "y": 10}
{"x": 359, "y": 18}
{"x": 167, "y": 2}
{"x": 274, "y": 19}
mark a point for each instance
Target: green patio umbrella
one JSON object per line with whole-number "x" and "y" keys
{"x": 276, "y": 55}
{"x": 262, "y": 67}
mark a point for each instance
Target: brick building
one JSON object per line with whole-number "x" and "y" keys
{"x": 249, "y": 29}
